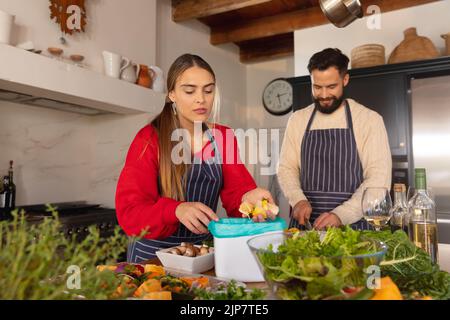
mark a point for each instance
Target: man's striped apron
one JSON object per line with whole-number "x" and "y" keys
{"x": 331, "y": 170}
{"x": 204, "y": 182}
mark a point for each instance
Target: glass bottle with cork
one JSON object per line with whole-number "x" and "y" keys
{"x": 422, "y": 217}
{"x": 399, "y": 219}
{"x": 5, "y": 199}
{"x": 11, "y": 188}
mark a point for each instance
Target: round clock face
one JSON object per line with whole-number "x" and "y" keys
{"x": 278, "y": 97}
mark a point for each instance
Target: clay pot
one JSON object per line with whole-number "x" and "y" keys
{"x": 368, "y": 55}
{"x": 413, "y": 47}
{"x": 145, "y": 76}
{"x": 446, "y": 37}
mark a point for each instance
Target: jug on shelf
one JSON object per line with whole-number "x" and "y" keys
{"x": 158, "y": 80}
{"x": 145, "y": 76}
{"x": 130, "y": 73}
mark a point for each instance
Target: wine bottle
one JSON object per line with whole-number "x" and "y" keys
{"x": 422, "y": 217}
{"x": 11, "y": 188}
{"x": 400, "y": 209}
{"x": 4, "y": 199}
{"x": 2, "y": 194}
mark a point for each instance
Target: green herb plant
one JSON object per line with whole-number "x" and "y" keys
{"x": 228, "y": 291}
{"x": 38, "y": 262}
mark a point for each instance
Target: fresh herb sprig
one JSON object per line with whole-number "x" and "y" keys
{"x": 229, "y": 291}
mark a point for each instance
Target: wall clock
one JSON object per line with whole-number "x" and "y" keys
{"x": 278, "y": 97}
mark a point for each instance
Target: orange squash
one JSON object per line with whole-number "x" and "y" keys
{"x": 161, "y": 295}
{"x": 105, "y": 267}
{"x": 129, "y": 286}
{"x": 153, "y": 271}
{"x": 387, "y": 291}
{"x": 202, "y": 282}
{"x": 151, "y": 285}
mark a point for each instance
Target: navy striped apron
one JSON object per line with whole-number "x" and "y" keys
{"x": 204, "y": 182}
{"x": 331, "y": 170}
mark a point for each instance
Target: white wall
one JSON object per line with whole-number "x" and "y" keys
{"x": 258, "y": 76}
{"x": 175, "y": 39}
{"x": 431, "y": 20}
{"x": 62, "y": 156}
{"x": 51, "y": 152}
{"x": 128, "y": 28}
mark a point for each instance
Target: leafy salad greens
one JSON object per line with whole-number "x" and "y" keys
{"x": 308, "y": 267}
{"x": 410, "y": 267}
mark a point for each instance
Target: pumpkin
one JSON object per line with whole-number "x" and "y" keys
{"x": 153, "y": 271}
{"x": 161, "y": 295}
{"x": 201, "y": 282}
{"x": 104, "y": 267}
{"x": 150, "y": 285}
{"x": 387, "y": 291}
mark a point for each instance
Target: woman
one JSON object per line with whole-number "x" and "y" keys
{"x": 172, "y": 202}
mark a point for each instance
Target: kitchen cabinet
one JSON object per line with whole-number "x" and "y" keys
{"x": 386, "y": 94}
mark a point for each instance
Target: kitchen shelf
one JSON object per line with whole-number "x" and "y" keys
{"x": 34, "y": 79}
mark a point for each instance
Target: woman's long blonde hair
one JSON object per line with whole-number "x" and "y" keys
{"x": 172, "y": 176}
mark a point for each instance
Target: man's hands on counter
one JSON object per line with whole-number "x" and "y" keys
{"x": 302, "y": 212}
{"x": 195, "y": 216}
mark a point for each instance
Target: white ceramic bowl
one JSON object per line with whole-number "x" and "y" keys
{"x": 197, "y": 264}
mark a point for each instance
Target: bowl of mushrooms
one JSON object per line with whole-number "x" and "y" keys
{"x": 188, "y": 257}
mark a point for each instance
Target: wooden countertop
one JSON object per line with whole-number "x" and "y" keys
{"x": 250, "y": 285}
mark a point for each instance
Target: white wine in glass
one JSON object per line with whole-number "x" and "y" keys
{"x": 377, "y": 205}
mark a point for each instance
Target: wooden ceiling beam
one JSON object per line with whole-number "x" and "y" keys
{"x": 183, "y": 10}
{"x": 291, "y": 21}
{"x": 258, "y": 50}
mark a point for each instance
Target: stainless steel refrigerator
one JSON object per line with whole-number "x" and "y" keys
{"x": 431, "y": 142}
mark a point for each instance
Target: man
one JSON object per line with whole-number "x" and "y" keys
{"x": 332, "y": 150}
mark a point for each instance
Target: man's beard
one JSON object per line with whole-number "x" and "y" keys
{"x": 329, "y": 109}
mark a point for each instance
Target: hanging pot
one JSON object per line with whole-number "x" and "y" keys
{"x": 341, "y": 12}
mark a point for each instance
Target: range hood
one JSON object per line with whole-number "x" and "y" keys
{"x": 33, "y": 79}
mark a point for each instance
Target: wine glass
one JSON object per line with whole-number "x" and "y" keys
{"x": 376, "y": 205}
